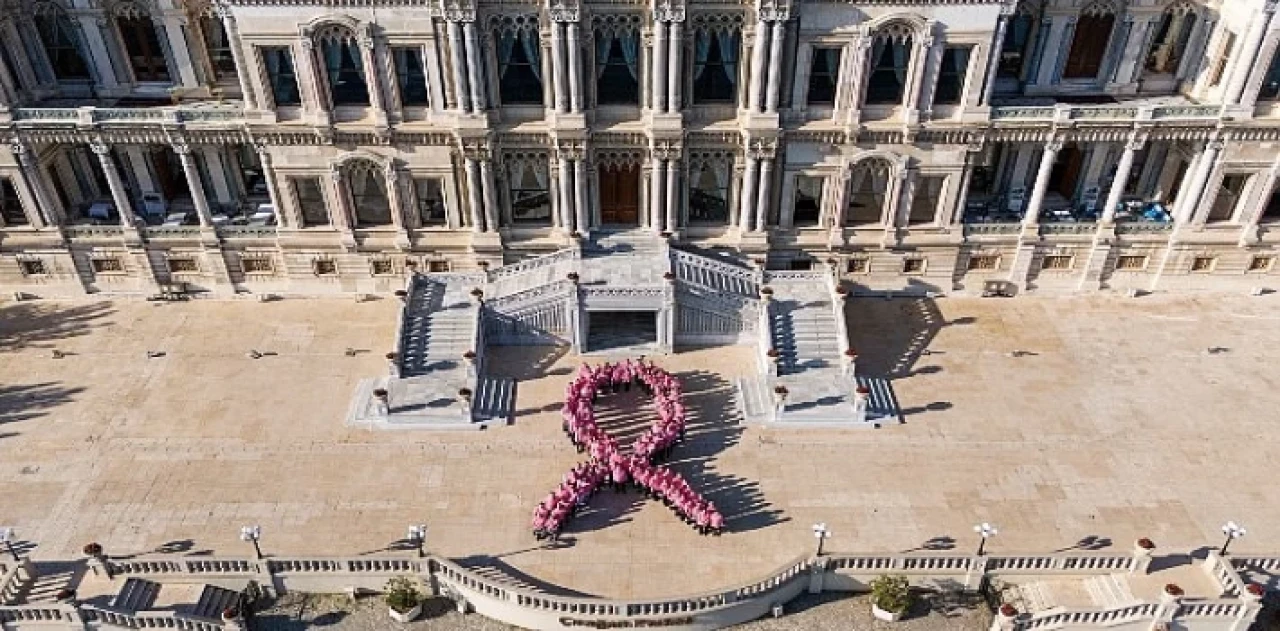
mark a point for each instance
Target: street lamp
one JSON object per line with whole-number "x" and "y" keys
{"x": 1233, "y": 531}
{"x": 418, "y": 535}
{"x": 820, "y": 533}
{"x": 6, "y": 536}
{"x": 252, "y": 534}
{"x": 985, "y": 531}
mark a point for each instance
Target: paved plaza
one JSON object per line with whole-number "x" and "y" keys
{"x": 1094, "y": 418}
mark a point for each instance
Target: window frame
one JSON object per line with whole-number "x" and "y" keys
{"x": 404, "y": 75}
{"x": 141, "y": 26}
{"x": 507, "y": 88}
{"x": 66, "y": 47}
{"x": 301, "y": 202}
{"x": 831, "y": 74}
{"x": 278, "y": 82}
{"x": 947, "y": 71}
{"x": 218, "y": 55}
{"x": 418, "y": 201}
{"x": 732, "y": 69}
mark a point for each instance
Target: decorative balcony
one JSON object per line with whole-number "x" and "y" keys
{"x": 1066, "y": 113}
{"x": 211, "y": 113}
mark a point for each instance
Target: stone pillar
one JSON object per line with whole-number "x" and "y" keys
{"x": 118, "y": 194}
{"x": 673, "y": 193}
{"x": 1194, "y": 189}
{"x": 473, "y": 194}
{"x": 676, "y": 74}
{"x": 91, "y": 26}
{"x": 660, "y": 67}
{"x": 993, "y": 60}
{"x": 575, "y": 68}
{"x": 583, "y": 223}
{"x": 373, "y": 78}
{"x": 919, "y": 68}
{"x": 177, "y": 41}
{"x": 748, "y": 198}
{"x": 395, "y": 197}
{"x": 490, "y": 194}
{"x": 215, "y": 160}
{"x": 461, "y": 94}
{"x": 1032, "y": 216}
{"x": 564, "y": 171}
{"x": 195, "y": 186}
{"x": 311, "y": 84}
{"x": 857, "y": 73}
{"x": 755, "y": 95}
{"x": 40, "y": 198}
{"x": 1122, "y": 176}
{"x": 232, "y": 30}
{"x": 285, "y": 217}
{"x": 765, "y": 194}
{"x": 1242, "y": 63}
{"x": 841, "y": 198}
{"x": 655, "y": 193}
{"x": 474, "y": 81}
{"x": 340, "y": 206}
{"x": 775, "y": 67}
{"x": 559, "y": 93}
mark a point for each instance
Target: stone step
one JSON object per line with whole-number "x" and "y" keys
{"x": 213, "y": 601}
{"x": 755, "y": 399}
{"x": 1109, "y": 591}
{"x": 137, "y": 594}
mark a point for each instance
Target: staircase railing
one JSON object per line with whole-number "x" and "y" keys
{"x": 764, "y": 331}
{"x": 837, "y": 305}
{"x": 714, "y": 275}
{"x": 529, "y": 297}
{"x": 561, "y": 261}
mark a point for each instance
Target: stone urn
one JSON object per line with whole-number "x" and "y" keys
{"x": 405, "y": 616}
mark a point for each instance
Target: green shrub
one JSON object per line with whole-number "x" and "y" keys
{"x": 403, "y": 594}
{"x": 891, "y": 593}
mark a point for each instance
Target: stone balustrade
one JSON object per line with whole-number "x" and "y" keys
{"x": 1062, "y": 113}
{"x": 230, "y": 114}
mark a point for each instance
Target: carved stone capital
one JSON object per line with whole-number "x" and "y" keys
{"x": 1136, "y": 141}
{"x": 761, "y": 149}
{"x": 181, "y": 148}
{"x": 458, "y": 11}
{"x": 563, "y": 12}
{"x": 99, "y": 147}
{"x": 668, "y": 11}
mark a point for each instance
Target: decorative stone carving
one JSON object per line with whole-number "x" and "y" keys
{"x": 668, "y": 11}
{"x": 562, "y": 11}
{"x": 761, "y": 149}
{"x": 458, "y": 11}
{"x": 665, "y": 150}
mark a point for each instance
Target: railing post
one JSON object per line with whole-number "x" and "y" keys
{"x": 977, "y": 570}
{"x": 1143, "y": 549}
{"x": 817, "y": 574}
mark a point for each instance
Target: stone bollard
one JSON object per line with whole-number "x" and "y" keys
{"x": 851, "y": 364}
{"x": 1142, "y": 551}
{"x": 393, "y": 365}
{"x": 477, "y": 297}
{"x": 766, "y": 293}
{"x": 861, "y": 401}
{"x": 464, "y": 402}
{"x": 469, "y": 360}
{"x": 1006, "y": 618}
{"x": 779, "y": 401}
{"x": 383, "y": 398}
{"x": 772, "y": 354}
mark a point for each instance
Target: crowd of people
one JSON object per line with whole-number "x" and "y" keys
{"x": 608, "y": 465}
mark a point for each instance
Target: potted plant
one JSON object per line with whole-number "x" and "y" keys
{"x": 1256, "y": 590}
{"x": 403, "y": 599}
{"x": 65, "y": 595}
{"x": 772, "y": 353}
{"x": 573, "y": 277}
{"x": 230, "y": 613}
{"x": 1174, "y": 590}
{"x": 477, "y": 293}
{"x": 890, "y": 597}
{"x": 669, "y": 276}
{"x": 1008, "y": 611}
{"x": 1146, "y": 544}
{"x": 392, "y": 356}
{"x": 93, "y": 550}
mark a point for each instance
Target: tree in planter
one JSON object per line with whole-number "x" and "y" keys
{"x": 403, "y": 595}
{"x": 891, "y": 593}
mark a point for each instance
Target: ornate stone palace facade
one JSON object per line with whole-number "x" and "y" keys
{"x": 290, "y": 146}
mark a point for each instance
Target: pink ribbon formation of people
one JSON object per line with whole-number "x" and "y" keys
{"x": 608, "y": 464}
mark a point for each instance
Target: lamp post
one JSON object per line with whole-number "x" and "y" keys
{"x": 418, "y": 535}
{"x": 1233, "y": 531}
{"x": 984, "y": 531}
{"x": 820, "y": 533}
{"x": 6, "y": 536}
{"x": 252, "y": 534}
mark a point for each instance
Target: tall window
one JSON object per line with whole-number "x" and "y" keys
{"x": 10, "y": 206}
{"x": 1013, "y": 51}
{"x": 430, "y": 198}
{"x": 528, "y": 190}
{"x": 1089, "y": 44}
{"x": 280, "y": 73}
{"x": 218, "y": 46}
{"x": 410, "y": 77}
{"x": 368, "y": 189}
{"x": 310, "y": 196}
{"x": 519, "y": 66}
{"x": 1172, "y": 37}
{"x": 617, "y": 68}
{"x": 715, "y": 65}
{"x": 709, "y": 190}
{"x": 868, "y": 185}
{"x": 343, "y": 66}
{"x": 60, "y": 45}
{"x": 808, "y": 203}
{"x": 1271, "y": 83}
{"x": 824, "y": 73}
{"x": 142, "y": 43}
{"x": 1228, "y": 197}
{"x": 951, "y": 76}
{"x": 924, "y": 202}
{"x": 890, "y": 59}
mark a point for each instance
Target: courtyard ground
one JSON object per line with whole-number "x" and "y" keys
{"x": 1080, "y": 421}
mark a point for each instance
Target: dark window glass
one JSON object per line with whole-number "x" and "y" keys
{"x": 311, "y": 203}
{"x": 519, "y": 67}
{"x": 10, "y": 207}
{"x": 345, "y": 71}
{"x": 618, "y": 69}
{"x": 219, "y": 47}
{"x": 284, "y": 82}
{"x": 1170, "y": 43}
{"x": 1088, "y": 46}
{"x": 1271, "y": 83}
{"x": 924, "y": 201}
{"x": 410, "y": 77}
{"x": 823, "y": 75}
{"x": 431, "y": 209}
{"x": 890, "y": 60}
{"x": 951, "y": 76}
{"x": 715, "y": 66}
{"x": 709, "y": 195}
{"x": 141, "y": 41}
{"x": 869, "y": 185}
{"x": 530, "y": 197}
{"x": 1014, "y": 49}
{"x": 808, "y": 203}
{"x": 60, "y": 47}
{"x": 369, "y": 198}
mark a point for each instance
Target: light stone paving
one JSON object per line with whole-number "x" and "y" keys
{"x": 1056, "y": 419}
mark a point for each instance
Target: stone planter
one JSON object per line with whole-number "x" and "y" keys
{"x": 407, "y": 616}
{"x": 887, "y": 616}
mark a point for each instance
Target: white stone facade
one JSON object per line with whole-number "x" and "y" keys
{"x": 926, "y": 146}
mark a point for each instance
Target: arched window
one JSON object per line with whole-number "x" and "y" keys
{"x": 528, "y": 188}
{"x": 717, "y": 48}
{"x": 218, "y": 46}
{"x": 1171, "y": 39}
{"x": 868, "y": 192}
{"x": 890, "y": 62}
{"x": 709, "y": 176}
{"x": 141, "y": 39}
{"x": 1089, "y": 44}
{"x": 60, "y": 43}
{"x": 617, "y": 63}
{"x": 519, "y": 60}
{"x": 368, "y": 190}
{"x": 1016, "y": 47}
{"x": 343, "y": 66}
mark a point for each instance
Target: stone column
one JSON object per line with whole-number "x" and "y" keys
{"x": 673, "y": 193}
{"x": 285, "y": 217}
{"x": 489, "y": 194}
{"x": 1122, "y": 176}
{"x": 1047, "y": 159}
{"x": 340, "y": 207}
{"x": 473, "y": 194}
{"x": 755, "y": 93}
{"x": 461, "y": 94}
{"x": 575, "y": 68}
{"x": 18, "y": 58}
{"x": 373, "y": 78}
{"x": 395, "y": 197}
{"x": 1266, "y": 188}
{"x": 474, "y": 81}
{"x": 215, "y": 160}
{"x": 857, "y": 78}
{"x": 660, "y": 67}
{"x": 177, "y": 41}
{"x": 91, "y": 26}
{"x": 765, "y": 194}
{"x": 118, "y": 194}
{"x": 655, "y": 193}
{"x": 1243, "y": 62}
{"x": 10, "y": 94}
{"x": 195, "y": 186}
{"x": 559, "y": 93}
{"x": 564, "y": 171}
{"x": 676, "y": 73}
{"x": 841, "y": 198}
{"x": 232, "y": 30}
{"x": 35, "y": 183}
{"x": 311, "y": 84}
{"x": 919, "y": 68}
{"x": 748, "y": 197}
{"x": 1195, "y": 188}
{"x": 775, "y": 67}
{"x": 993, "y": 60}
{"x": 583, "y": 223}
